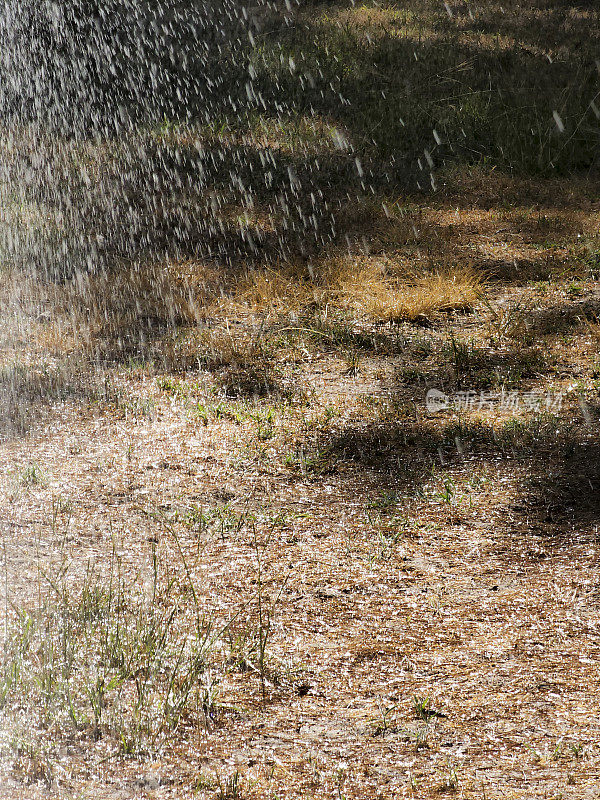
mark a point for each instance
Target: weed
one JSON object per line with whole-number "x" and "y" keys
{"x": 520, "y": 435}
{"x": 201, "y": 413}
{"x": 137, "y": 407}
{"x": 588, "y": 254}
{"x": 115, "y": 658}
{"x": 32, "y": 475}
{"x": 510, "y": 321}
{"x": 451, "y": 783}
{"x": 385, "y": 502}
{"x": 447, "y": 495}
{"x": 242, "y": 644}
{"x": 313, "y": 463}
{"x": 171, "y": 386}
{"x": 226, "y": 411}
{"x": 208, "y": 699}
{"x": 197, "y": 518}
{"x": 421, "y": 707}
{"x": 412, "y": 375}
{"x": 577, "y": 750}
{"x": 423, "y": 710}
{"x": 61, "y": 506}
{"x": 382, "y": 726}
{"x": 556, "y": 753}
{"x": 32, "y": 762}
{"x": 265, "y": 424}
{"x": 464, "y": 356}
{"x": 206, "y": 782}
{"x": 421, "y": 738}
{"x": 231, "y": 788}
{"x": 353, "y": 363}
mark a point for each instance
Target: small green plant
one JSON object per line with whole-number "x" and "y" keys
{"x": 310, "y": 463}
{"x": 451, "y": 783}
{"x": 557, "y": 752}
{"x": 510, "y": 321}
{"x": 421, "y": 738}
{"x": 61, "y": 506}
{"x": 231, "y": 788}
{"x": 382, "y": 726}
{"x": 32, "y": 475}
{"x": 32, "y": 762}
{"x": 462, "y": 354}
{"x": 265, "y": 424}
{"x": 339, "y": 777}
{"x": 201, "y": 413}
{"x": 386, "y": 544}
{"x": 414, "y": 784}
{"x": 421, "y": 707}
{"x": 589, "y": 255}
{"x": 197, "y": 519}
{"x": 423, "y": 710}
{"x": 577, "y": 749}
{"x": 448, "y": 494}
{"x": 208, "y": 700}
{"x": 136, "y": 407}
{"x": 385, "y": 502}
{"x": 170, "y": 386}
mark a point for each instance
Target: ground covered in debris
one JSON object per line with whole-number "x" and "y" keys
{"x": 272, "y": 571}
{"x": 241, "y": 555}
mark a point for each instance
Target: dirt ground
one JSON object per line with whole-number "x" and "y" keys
{"x": 428, "y": 582}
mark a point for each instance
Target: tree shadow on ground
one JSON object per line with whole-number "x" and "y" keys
{"x": 555, "y": 502}
{"x": 419, "y": 79}
{"x": 561, "y": 500}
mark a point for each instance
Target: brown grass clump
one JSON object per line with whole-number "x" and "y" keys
{"x": 410, "y": 297}
{"x": 364, "y": 286}
{"x": 457, "y": 290}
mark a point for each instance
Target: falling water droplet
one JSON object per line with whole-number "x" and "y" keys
{"x": 559, "y": 123}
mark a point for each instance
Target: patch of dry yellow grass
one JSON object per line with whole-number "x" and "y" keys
{"x": 272, "y": 290}
{"x": 456, "y": 289}
{"x": 362, "y": 286}
{"x": 408, "y": 296}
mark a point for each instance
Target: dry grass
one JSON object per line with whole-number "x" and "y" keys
{"x": 369, "y": 288}
{"x": 120, "y": 312}
{"x": 411, "y": 298}
{"x": 273, "y": 291}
